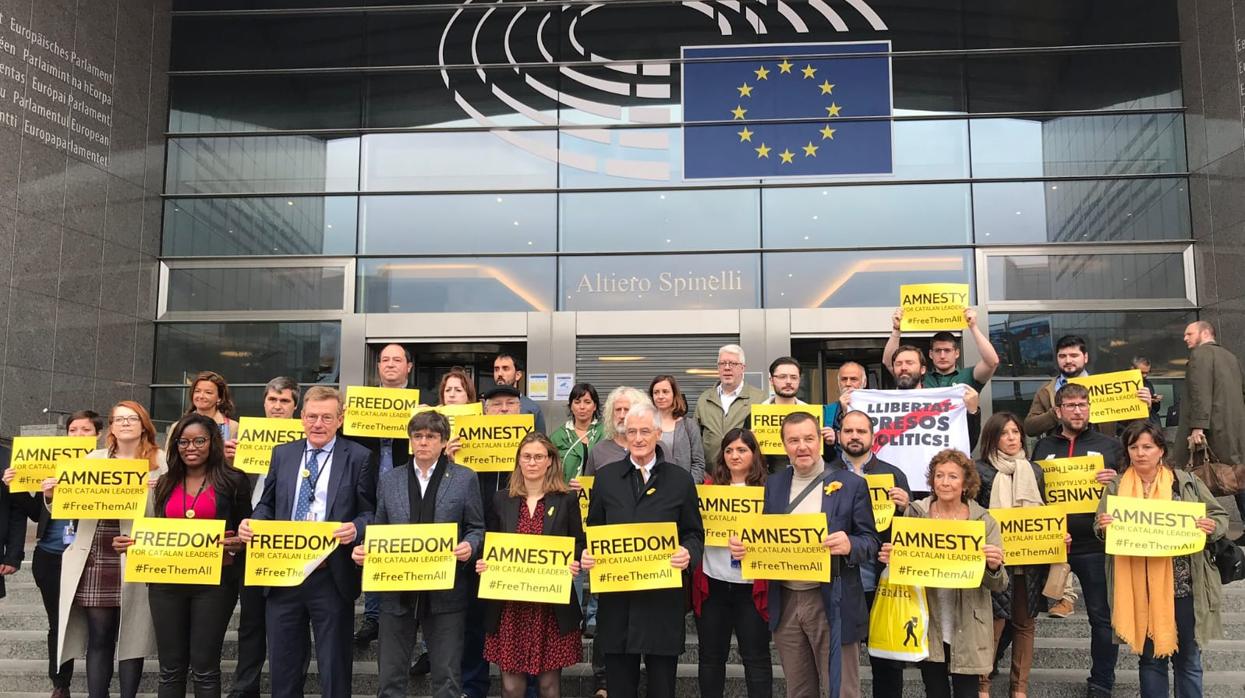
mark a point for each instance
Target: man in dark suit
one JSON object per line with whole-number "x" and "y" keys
{"x": 319, "y": 478}
{"x": 631, "y": 624}
{"x": 429, "y": 489}
{"x": 812, "y": 622}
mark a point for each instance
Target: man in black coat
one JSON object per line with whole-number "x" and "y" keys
{"x": 631, "y": 624}
{"x": 12, "y": 527}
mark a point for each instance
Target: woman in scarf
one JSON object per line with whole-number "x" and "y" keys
{"x": 1009, "y": 479}
{"x": 1163, "y": 607}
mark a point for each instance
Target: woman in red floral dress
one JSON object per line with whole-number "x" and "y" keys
{"x": 524, "y": 638}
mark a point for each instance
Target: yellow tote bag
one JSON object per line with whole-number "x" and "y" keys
{"x": 899, "y": 622}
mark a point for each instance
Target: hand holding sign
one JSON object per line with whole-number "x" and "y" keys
{"x": 932, "y": 307}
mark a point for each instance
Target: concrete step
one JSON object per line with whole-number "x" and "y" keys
{"x": 26, "y": 679}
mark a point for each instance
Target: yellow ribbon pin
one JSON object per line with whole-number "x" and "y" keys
{"x": 550, "y": 512}
{"x": 833, "y": 487}
{"x": 651, "y": 490}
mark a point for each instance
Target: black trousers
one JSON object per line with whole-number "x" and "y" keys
{"x": 190, "y": 622}
{"x": 288, "y": 612}
{"x": 730, "y": 608}
{"x": 47, "y": 572}
{"x": 887, "y": 673}
{"x": 940, "y": 683}
{"x": 252, "y": 644}
{"x": 622, "y": 675}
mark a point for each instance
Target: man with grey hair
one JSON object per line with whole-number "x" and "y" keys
{"x": 280, "y": 402}
{"x": 728, "y": 404}
{"x": 1212, "y": 411}
{"x": 643, "y": 488}
{"x": 613, "y": 444}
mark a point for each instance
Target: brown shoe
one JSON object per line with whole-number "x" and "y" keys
{"x": 60, "y": 693}
{"x": 1063, "y": 609}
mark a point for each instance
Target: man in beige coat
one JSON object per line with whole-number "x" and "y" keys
{"x": 726, "y": 405}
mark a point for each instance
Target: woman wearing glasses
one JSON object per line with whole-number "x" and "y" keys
{"x": 99, "y": 616}
{"x": 525, "y": 638}
{"x": 191, "y": 618}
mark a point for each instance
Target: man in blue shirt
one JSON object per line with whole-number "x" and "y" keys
{"x": 508, "y": 371}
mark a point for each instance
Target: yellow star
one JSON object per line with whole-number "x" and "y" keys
{"x": 809, "y": 71}
{"x": 826, "y": 87}
{"x": 745, "y": 135}
{"x": 785, "y": 66}
{"x": 833, "y": 109}
{"x": 739, "y": 112}
{"x": 763, "y": 151}
{"x": 786, "y": 156}
{"x": 827, "y": 132}
{"x": 745, "y": 90}
{"x": 810, "y": 150}
{"x": 762, "y": 73}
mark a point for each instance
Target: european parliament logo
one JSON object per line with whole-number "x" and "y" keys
{"x": 791, "y": 110}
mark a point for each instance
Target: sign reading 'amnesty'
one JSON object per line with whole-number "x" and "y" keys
{"x": 34, "y": 458}
{"x": 1071, "y": 483}
{"x": 410, "y": 557}
{"x": 880, "y": 487}
{"x": 176, "y": 551}
{"x": 521, "y": 567}
{"x": 379, "y": 412}
{"x": 490, "y": 442}
{"x": 1113, "y": 396}
{"x": 767, "y": 424}
{"x": 1032, "y": 535}
{"x": 724, "y": 509}
{"x": 787, "y": 547}
{"x": 257, "y": 436}
{"x": 937, "y": 553}
{"x": 100, "y": 488}
{"x": 285, "y": 553}
{"x": 933, "y": 307}
{"x": 633, "y": 557}
{"x": 1154, "y": 528}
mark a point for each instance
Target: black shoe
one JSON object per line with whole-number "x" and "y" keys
{"x": 369, "y": 629}
{"x": 421, "y": 666}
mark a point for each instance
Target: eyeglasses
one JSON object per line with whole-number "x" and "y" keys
{"x": 729, "y": 364}
{"x": 533, "y": 457}
{"x": 1075, "y": 406}
{"x": 785, "y": 376}
{"x": 126, "y": 419}
{"x": 641, "y": 432}
{"x": 197, "y": 442}
{"x": 314, "y": 418}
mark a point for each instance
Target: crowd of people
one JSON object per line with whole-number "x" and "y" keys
{"x": 647, "y": 450}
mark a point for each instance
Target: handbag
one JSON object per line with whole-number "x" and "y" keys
{"x": 1228, "y": 558}
{"x": 899, "y": 622}
{"x": 1056, "y": 580}
{"x": 1222, "y": 479}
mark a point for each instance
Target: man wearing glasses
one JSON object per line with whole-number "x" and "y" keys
{"x": 1087, "y": 556}
{"x": 728, "y": 404}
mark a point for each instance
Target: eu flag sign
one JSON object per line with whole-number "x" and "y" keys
{"x": 810, "y": 90}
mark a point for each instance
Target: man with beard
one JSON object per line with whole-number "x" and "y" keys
{"x": 944, "y": 354}
{"x": 784, "y": 380}
{"x": 856, "y": 446}
{"x": 908, "y": 368}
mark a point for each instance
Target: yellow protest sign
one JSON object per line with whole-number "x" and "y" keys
{"x": 491, "y": 442}
{"x": 880, "y": 487}
{"x": 767, "y": 424}
{"x": 933, "y": 307}
{"x": 453, "y": 411}
{"x": 633, "y": 557}
{"x": 1154, "y": 528}
{"x": 176, "y": 551}
{"x": 1113, "y": 396}
{"x": 410, "y": 557}
{"x": 521, "y": 567}
{"x": 1032, "y": 535}
{"x": 786, "y": 547}
{"x": 100, "y": 488}
{"x": 585, "y": 495}
{"x": 285, "y": 553}
{"x": 380, "y": 412}
{"x": 34, "y": 458}
{"x": 257, "y": 436}
{"x": 723, "y": 509}
{"x": 937, "y": 553}
{"x": 1071, "y": 483}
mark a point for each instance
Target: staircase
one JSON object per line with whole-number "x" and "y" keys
{"x": 1061, "y": 661}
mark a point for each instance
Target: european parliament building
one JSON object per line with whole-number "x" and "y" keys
{"x": 609, "y": 188}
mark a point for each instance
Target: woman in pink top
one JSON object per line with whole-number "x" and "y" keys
{"x": 190, "y": 619}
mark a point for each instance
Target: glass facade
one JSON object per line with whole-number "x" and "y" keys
{"x": 530, "y": 157}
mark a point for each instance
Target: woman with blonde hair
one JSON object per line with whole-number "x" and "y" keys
{"x": 92, "y": 597}
{"x": 524, "y": 638}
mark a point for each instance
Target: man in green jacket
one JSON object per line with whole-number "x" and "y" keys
{"x": 728, "y": 404}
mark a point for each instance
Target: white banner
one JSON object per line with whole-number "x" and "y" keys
{"x": 910, "y": 426}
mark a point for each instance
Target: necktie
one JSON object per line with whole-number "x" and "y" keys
{"x": 307, "y": 494}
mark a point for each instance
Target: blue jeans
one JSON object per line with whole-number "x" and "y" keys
{"x": 371, "y": 605}
{"x": 1091, "y": 569}
{"x": 1187, "y": 660}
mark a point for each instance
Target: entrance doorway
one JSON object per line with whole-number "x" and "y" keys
{"x": 435, "y": 359}
{"x": 821, "y": 358}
